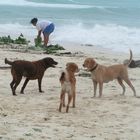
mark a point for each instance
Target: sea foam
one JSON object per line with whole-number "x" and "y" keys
{"x": 34, "y": 4}
{"x": 110, "y": 36}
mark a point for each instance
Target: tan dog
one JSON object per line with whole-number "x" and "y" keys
{"x": 103, "y": 74}
{"x": 68, "y": 85}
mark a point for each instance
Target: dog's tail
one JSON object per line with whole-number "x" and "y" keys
{"x": 130, "y": 59}
{"x": 62, "y": 77}
{"x": 8, "y": 62}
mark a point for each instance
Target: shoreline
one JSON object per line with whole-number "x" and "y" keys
{"x": 87, "y": 48}
{"x": 92, "y": 50}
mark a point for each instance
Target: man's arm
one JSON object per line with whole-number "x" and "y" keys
{"x": 39, "y": 34}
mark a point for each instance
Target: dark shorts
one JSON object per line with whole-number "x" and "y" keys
{"x": 49, "y": 29}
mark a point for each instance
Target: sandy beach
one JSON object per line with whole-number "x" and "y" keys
{"x": 35, "y": 116}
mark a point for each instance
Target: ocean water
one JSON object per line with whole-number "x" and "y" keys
{"x": 105, "y": 23}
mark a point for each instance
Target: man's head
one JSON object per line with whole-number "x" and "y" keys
{"x": 34, "y": 21}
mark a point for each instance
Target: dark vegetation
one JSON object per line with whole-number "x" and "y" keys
{"x": 7, "y": 40}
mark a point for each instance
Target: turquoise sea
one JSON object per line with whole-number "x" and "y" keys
{"x": 113, "y": 24}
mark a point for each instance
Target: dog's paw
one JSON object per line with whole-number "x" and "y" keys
{"x": 73, "y": 106}
{"x": 93, "y": 97}
{"x": 41, "y": 91}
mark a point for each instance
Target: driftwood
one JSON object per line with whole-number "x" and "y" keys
{"x": 4, "y": 67}
{"x": 133, "y": 64}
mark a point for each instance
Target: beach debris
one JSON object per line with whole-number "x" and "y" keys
{"x": 69, "y": 54}
{"x": 21, "y": 139}
{"x": 21, "y": 40}
{"x": 37, "y": 129}
{"x": 84, "y": 74}
{"x": 133, "y": 64}
{"x": 9, "y": 44}
{"x": 52, "y": 49}
{"x": 46, "y": 119}
{"x": 89, "y": 45}
{"x": 2, "y": 113}
{"x": 28, "y": 134}
{"x": 38, "y": 42}
{"x": 8, "y": 40}
{"x": 4, "y": 67}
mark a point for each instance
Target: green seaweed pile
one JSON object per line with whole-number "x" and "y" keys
{"x": 38, "y": 42}
{"x": 48, "y": 49}
{"x": 8, "y": 40}
{"x": 53, "y": 48}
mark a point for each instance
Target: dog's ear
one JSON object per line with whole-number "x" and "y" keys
{"x": 92, "y": 63}
{"x": 76, "y": 68}
{"x": 69, "y": 65}
{"x": 72, "y": 67}
{"x": 89, "y": 63}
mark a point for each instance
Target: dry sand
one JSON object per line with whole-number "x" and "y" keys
{"x": 35, "y": 116}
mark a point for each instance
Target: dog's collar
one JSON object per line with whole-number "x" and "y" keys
{"x": 94, "y": 68}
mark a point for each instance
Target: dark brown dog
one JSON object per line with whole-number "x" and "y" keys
{"x": 30, "y": 70}
{"x": 68, "y": 85}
